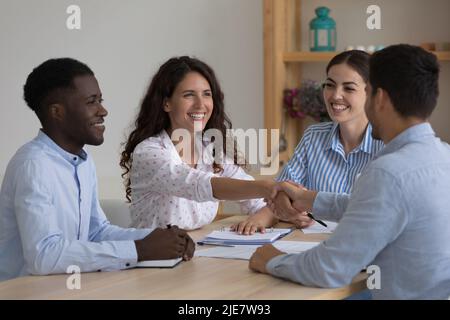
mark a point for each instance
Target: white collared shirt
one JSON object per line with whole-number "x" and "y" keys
{"x": 166, "y": 190}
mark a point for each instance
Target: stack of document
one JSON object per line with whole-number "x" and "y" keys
{"x": 227, "y": 237}
{"x": 245, "y": 252}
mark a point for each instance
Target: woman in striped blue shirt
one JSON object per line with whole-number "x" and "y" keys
{"x": 331, "y": 155}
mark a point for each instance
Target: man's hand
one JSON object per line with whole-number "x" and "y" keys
{"x": 262, "y": 256}
{"x": 163, "y": 244}
{"x": 302, "y": 198}
{"x": 282, "y": 207}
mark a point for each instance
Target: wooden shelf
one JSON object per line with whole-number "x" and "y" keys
{"x": 306, "y": 56}
{"x": 442, "y": 55}
{"x": 284, "y": 63}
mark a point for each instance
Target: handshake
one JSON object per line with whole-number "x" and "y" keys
{"x": 291, "y": 202}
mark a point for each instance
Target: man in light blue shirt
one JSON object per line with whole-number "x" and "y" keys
{"x": 50, "y": 217}
{"x": 398, "y": 215}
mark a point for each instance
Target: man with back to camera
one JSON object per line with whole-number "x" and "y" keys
{"x": 50, "y": 216}
{"x": 398, "y": 215}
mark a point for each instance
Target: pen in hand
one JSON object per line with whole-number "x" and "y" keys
{"x": 309, "y": 214}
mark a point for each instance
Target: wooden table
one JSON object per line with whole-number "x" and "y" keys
{"x": 200, "y": 278}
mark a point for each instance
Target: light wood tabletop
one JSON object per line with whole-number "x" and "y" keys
{"x": 200, "y": 278}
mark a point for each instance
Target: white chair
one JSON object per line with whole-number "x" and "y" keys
{"x": 117, "y": 211}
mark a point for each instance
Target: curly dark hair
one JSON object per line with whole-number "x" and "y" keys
{"x": 152, "y": 118}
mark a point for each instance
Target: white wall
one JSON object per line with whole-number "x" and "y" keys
{"x": 124, "y": 42}
{"x": 402, "y": 21}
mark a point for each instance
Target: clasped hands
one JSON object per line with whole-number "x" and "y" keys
{"x": 289, "y": 202}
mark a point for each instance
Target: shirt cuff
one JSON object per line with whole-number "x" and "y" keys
{"x": 127, "y": 254}
{"x": 272, "y": 264}
{"x": 321, "y": 205}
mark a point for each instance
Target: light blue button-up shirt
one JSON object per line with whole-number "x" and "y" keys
{"x": 397, "y": 217}
{"x": 50, "y": 217}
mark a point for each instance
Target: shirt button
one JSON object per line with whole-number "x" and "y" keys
{"x": 127, "y": 265}
{"x": 74, "y": 159}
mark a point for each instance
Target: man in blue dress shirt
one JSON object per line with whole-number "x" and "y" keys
{"x": 398, "y": 215}
{"x": 50, "y": 217}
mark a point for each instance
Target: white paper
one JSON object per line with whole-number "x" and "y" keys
{"x": 232, "y": 237}
{"x": 244, "y": 252}
{"x": 167, "y": 263}
{"x": 318, "y": 228}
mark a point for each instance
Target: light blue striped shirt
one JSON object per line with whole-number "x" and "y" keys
{"x": 50, "y": 217}
{"x": 397, "y": 218}
{"x": 319, "y": 161}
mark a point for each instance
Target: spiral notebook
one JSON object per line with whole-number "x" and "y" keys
{"x": 227, "y": 237}
{"x": 166, "y": 263}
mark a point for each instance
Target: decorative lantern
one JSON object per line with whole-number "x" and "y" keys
{"x": 322, "y": 36}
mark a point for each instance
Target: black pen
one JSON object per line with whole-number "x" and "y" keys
{"x": 218, "y": 243}
{"x": 309, "y": 214}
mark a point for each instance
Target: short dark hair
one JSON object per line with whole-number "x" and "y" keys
{"x": 356, "y": 59}
{"x": 47, "y": 77}
{"x": 410, "y": 75}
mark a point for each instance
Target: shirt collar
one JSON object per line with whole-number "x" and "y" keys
{"x": 333, "y": 142}
{"x": 72, "y": 158}
{"x": 417, "y": 132}
{"x": 367, "y": 142}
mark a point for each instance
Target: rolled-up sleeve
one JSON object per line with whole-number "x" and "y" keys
{"x": 297, "y": 167}
{"x": 156, "y": 170}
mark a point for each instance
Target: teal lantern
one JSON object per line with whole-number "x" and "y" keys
{"x": 322, "y": 36}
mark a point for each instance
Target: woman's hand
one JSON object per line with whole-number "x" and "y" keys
{"x": 257, "y": 222}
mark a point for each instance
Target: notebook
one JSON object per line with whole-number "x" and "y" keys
{"x": 227, "y": 237}
{"x": 167, "y": 263}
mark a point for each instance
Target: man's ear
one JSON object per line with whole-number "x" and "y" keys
{"x": 56, "y": 111}
{"x": 380, "y": 99}
{"x": 384, "y": 101}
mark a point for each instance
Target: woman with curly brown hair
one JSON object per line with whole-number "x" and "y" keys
{"x": 167, "y": 180}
